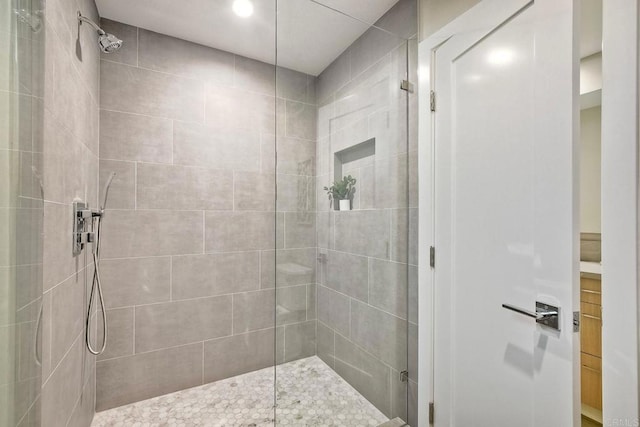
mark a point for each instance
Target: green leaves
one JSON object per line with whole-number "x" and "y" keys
{"x": 342, "y": 190}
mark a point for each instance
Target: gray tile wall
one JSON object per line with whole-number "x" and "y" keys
{"x": 71, "y": 150}
{"x": 194, "y": 242}
{"x": 367, "y": 279}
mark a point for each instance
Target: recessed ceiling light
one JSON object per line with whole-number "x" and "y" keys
{"x": 243, "y": 8}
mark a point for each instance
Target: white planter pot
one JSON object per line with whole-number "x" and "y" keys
{"x": 345, "y": 205}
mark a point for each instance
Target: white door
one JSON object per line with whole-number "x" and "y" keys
{"x": 506, "y": 218}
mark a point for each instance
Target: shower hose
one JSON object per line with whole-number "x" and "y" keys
{"x": 96, "y": 287}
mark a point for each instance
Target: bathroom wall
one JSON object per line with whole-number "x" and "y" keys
{"x": 71, "y": 125}
{"x": 590, "y": 162}
{"x": 367, "y": 268}
{"x": 192, "y": 224}
{"x": 435, "y": 14}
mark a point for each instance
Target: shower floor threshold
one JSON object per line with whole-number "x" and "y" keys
{"x": 309, "y": 392}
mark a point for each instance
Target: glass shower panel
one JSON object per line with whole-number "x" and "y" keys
{"x": 342, "y": 264}
{"x": 21, "y": 211}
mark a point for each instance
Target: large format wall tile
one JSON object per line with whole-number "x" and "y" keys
{"x": 296, "y": 193}
{"x": 62, "y": 390}
{"x": 288, "y": 267}
{"x": 230, "y": 356}
{"x": 130, "y": 379}
{"x": 196, "y": 276}
{"x": 388, "y": 286}
{"x": 126, "y": 136}
{"x": 363, "y": 232}
{"x": 301, "y": 120}
{"x": 291, "y": 304}
{"x": 119, "y": 334}
{"x": 296, "y": 156}
{"x": 241, "y": 231}
{"x": 181, "y": 322}
{"x": 122, "y": 193}
{"x": 240, "y": 109}
{"x": 365, "y": 373}
{"x": 180, "y": 187}
{"x": 383, "y": 335}
{"x": 149, "y": 233}
{"x": 216, "y": 147}
{"x": 254, "y": 191}
{"x": 295, "y": 86}
{"x": 348, "y": 274}
{"x": 334, "y": 77}
{"x": 58, "y": 264}
{"x": 325, "y": 344}
{"x": 255, "y": 75}
{"x": 133, "y": 281}
{"x": 253, "y": 310}
{"x": 299, "y": 340}
{"x": 171, "y": 55}
{"x": 136, "y": 90}
{"x": 334, "y": 310}
{"x": 67, "y": 314}
{"x": 299, "y": 230}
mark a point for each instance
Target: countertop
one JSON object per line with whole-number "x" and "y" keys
{"x": 590, "y": 267}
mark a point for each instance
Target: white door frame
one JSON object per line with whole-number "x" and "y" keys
{"x": 620, "y": 117}
{"x": 620, "y": 213}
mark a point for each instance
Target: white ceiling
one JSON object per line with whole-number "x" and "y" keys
{"x": 310, "y": 36}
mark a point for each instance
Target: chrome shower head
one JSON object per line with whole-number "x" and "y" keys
{"x": 108, "y": 43}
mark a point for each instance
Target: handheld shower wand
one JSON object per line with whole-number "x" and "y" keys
{"x": 96, "y": 285}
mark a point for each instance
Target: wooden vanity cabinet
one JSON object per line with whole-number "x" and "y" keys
{"x": 591, "y": 339}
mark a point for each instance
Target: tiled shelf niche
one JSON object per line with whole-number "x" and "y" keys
{"x": 351, "y": 159}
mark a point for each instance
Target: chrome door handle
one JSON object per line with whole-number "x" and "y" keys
{"x": 545, "y": 314}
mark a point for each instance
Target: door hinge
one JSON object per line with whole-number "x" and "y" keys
{"x": 404, "y": 376}
{"x": 406, "y": 85}
{"x": 431, "y": 412}
{"x": 432, "y": 256}
{"x": 432, "y": 100}
{"x": 576, "y": 321}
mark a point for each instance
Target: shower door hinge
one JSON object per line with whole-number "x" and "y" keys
{"x": 432, "y": 256}
{"x": 432, "y": 100}
{"x": 431, "y": 412}
{"x": 576, "y": 321}
{"x": 406, "y": 85}
{"x": 404, "y": 376}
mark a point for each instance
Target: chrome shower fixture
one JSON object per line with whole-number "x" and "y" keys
{"x": 108, "y": 43}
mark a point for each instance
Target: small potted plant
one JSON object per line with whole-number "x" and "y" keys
{"x": 342, "y": 191}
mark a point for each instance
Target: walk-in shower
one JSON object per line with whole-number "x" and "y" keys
{"x": 227, "y": 280}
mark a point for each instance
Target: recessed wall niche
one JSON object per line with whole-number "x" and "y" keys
{"x": 355, "y": 160}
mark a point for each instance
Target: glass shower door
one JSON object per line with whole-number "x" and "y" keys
{"x": 346, "y": 201}
{"x": 21, "y": 211}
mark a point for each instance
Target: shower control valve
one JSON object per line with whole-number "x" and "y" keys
{"x": 82, "y": 221}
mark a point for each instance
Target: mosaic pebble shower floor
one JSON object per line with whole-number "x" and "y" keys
{"x": 310, "y": 393}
